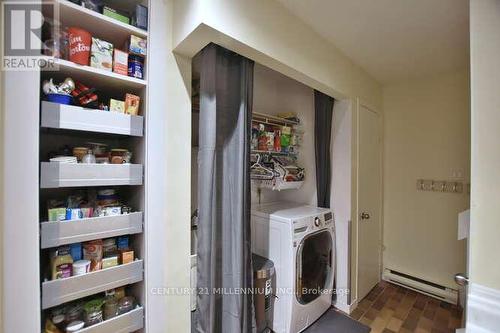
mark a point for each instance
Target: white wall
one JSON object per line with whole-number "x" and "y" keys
{"x": 268, "y": 33}
{"x": 167, "y": 177}
{"x": 485, "y": 195}
{"x": 426, "y": 136}
{"x": 341, "y": 200}
{"x": 275, "y": 93}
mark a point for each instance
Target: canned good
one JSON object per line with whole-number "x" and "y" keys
{"x": 136, "y": 66}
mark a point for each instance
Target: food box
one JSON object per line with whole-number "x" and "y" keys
{"x": 109, "y": 262}
{"x": 113, "y": 13}
{"x": 120, "y": 62}
{"x": 57, "y": 214}
{"x": 137, "y": 45}
{"x": 101, "y": 54}
{"x": 132, "y": 104}
{"x": 126, "y": 256}
{"x": 140, "y": 17}
{"x": 116, "y": 106}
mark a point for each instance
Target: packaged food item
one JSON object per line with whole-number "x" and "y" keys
{"x": 270, "y": 141}
{"x": 119, "y": 156}
{"x": 87, "y": 212}
{"x": 109, "y": 262}
{"x": 115, "y": 14}
{"x": 75, "y": 326}
{"x": 140, "y": 17}
{"x": 95, "y": 5}
{"x": 136, "y": 66}
{"x": 59, "y": 321}
{"x": 89, "y": 158}
{"x": 76, "y": 251}
{"x": 132, "y": 104}
{"x": 113, "y": 211}
{"x": 93, "y": 251}
{"x": 79, "y": 45}
{"x": 120, "y": 62}
{"x": 126, "y": 256}
{"x": 81, "y": 267}
{"x": 137, "y": 45}
{"x": 109, "y": 246}
{"x": 285, "y": 138}
{"x": 119, "y": 292}
{"x": 102, "y": 54}
{"x": 98, "y": 148}
{"x": 61, "y": 263}
{"x": 110, "y": 305}
{"x": 79, "y": 152}
{"x": 277, "y": 141}
{"x": 57, "y": 214}
{"x": 126, "y": 304}
{"x": 74, "y": 312}
{"x": 116, "y": 106}
{"x": 93, "y": 312}
{"x": 85, "y": 96}
{"x": 74, "y": 214}
{"x": 122, "y": 242}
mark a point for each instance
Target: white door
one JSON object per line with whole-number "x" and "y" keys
{"x": 369, "y": 201}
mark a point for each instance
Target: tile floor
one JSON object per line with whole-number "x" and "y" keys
{"x": 392, "y": 309}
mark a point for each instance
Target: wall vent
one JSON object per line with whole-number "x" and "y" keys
{"x": 420, "y": 285}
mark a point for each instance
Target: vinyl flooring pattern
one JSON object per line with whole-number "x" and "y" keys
{"x": 390, "y": 308}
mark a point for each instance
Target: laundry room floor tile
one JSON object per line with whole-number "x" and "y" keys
{"x": 393, "y": 309}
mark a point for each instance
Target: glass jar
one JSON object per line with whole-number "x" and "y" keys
{"x": 126, "y": 304}
{"x": 93, "y": 317}
{"x": 110, "y": 305}
{"x": 93, "y": 312}
{"x": 74, "y": 312}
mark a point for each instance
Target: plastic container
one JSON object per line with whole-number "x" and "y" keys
{"x": 60, "y": 98}
{"x": 75, "y": 326}
{"x": 81, "y": 267}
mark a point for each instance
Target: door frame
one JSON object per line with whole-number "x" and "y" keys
{"x": 356, "y": 209}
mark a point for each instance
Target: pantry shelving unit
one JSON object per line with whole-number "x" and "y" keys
{"x": 74, "y": 126}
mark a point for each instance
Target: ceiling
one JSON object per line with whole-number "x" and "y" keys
{"x": 393, "y": 40}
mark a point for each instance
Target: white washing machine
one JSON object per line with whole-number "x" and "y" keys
{"x": 300, "y": 240}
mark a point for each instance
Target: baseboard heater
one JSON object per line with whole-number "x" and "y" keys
{"x": 420, "y": 285}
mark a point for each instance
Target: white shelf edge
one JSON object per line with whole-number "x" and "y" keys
{"x": 270, "y": 119}
{"x": 57, "y": 233}
{"x": 98, "y": 16}
{"x": 73, "y": 117}
{"x": 57, "y": 175}
{"x": 125, "y": 323}
{"x": 56, "y": 292}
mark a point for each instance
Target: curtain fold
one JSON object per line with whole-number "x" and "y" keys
{"x": 323, "y": 115}
{"x": 224, "y": 264}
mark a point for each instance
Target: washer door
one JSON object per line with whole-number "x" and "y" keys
{"x": 314, "y": 266}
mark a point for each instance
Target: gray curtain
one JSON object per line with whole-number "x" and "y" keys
{"x": 224, "y": 254}
{"x": 323, "y": 114}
